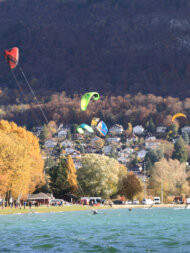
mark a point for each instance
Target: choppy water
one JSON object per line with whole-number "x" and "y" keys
{"x": 141, "y": 230}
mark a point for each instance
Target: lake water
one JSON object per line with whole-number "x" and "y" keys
{"x": 115, "y": 230}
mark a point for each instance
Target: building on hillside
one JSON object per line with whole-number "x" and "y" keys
{"x": 78, "y": 163}
{"x": 124, "y": 155}
{"x": 161, "y": 129}
{"x": 40, "y": 198}
{"x": 152, "y": 144}
{"x": 75, "y": 154}
{"x": 110, "y": 140}
{"x": 116, "y": 129}
{"x": 141, "y": 154}
{"x": 50, "y": 143}
{"x": 107, "y": 149}
{"x": 138, "y": 130}
{"x": 133, "y": 138}
{"x": 185, "y": 129}
{"x": 69, "y": 150}
{"x": 150, "y": 138}
{"x": 78, "y": 137}
{"x": 62, "y": 133}
{"x": 90, "y": 149}
{"x": 66, "y": 143}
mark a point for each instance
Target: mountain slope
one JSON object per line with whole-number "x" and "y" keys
{"x": 114, "y": 47}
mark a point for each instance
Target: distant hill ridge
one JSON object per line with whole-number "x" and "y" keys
{"x": 114, "y": 47}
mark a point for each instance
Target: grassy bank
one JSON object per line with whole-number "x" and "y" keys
{"x": 50, "y": 209}
{"x": 46, "y": 209}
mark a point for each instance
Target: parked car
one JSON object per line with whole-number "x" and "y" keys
{"x": 156, "y": 200}
{"x": 135, "y": 202}
{"x": 118, "y": 202}
{"x": 128, "y": 202}
{"x": 147, "y": 202}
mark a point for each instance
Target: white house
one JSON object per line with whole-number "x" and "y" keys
{"x": 113, "y": 139}
{"x": 66, "y": 143}
{"x": 69, "y": 150}
{"x": 150, "y": 138}
{"x": 152, "y": 144}
{"x": 133, "y": 138}
{"x": 185, "y": 129}
{"x": 63, "y": 132}
{"x": 161, "y": 129}
{"x": 141, "y": 154}
{"x": 107, "y": 149}
{"x": 138, "y": 130}
{"x": 116, "y": 129}
{"x": 50, "y": 143}
{"x": 77, "y": 163}
{"x": 75, "y": 154}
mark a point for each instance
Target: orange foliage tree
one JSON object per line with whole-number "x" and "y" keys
{"x": 71, "y": 174}
{"x": 21, "y": 164}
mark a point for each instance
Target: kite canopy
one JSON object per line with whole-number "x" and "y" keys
{"x": 94, "y": 122}
{"x": 82, "y": 127}
{"x": 86, "y": 99}
{"x": 102, "y": 128}
{"x": 12, "y": 57}
{"x": 177, "y": 115}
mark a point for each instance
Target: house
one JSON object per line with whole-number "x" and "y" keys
{"x": 161, "y": 129}
{"x": 40, "y": 198}
{"x": 112, "y": 140}
{"x": 185, "y": 129}
{"x": 141, "y": 154}
{"x": 90, "y": 150}
{"x": 116, "y": 129}
{"x": 133, "y": 138}
{"x": 75, "y": 154}
{"x": 123, "y": 160}
{"x": 66, "y": 143}
{"x": 50, "y": 143}
{"x": 138, "y": 130}
{"x": 124, "y": 155}
{"x": 152, "y": 144}
{"x": 150, "y": 138}
{"x": 62, "y": 133}
{"x": 77, "y": 137}
{"x": 69, "y": 150}
{"x": 107, "y": 149}
{"x": 78, "y": 163}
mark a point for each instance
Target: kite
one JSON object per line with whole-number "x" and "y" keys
{"x": 102, "y": 128}
{"x": 94, "y": 122}
{"x": 177, "y": 115}
{"x": 12, "y": 57}
{"x": 82, "y": 127}
{"x": 86, "y": 99}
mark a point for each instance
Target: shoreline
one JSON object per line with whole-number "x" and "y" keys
{"x": 69, "y": 208}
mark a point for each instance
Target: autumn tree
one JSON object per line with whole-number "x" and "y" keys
{"x": 172, "y": 175}
{"x": 180, "y": 152}
{"x": 99, "y": 175}
{"x": 21, "y": 164}
{"x": 129, "y": 130}
{"x": 130, "y": 186}
{"x": 71, "y": 174}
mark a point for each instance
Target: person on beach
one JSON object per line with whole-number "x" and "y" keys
{"x": 30, "y": 204}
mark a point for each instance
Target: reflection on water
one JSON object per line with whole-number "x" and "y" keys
{"x": 141, "y": 230}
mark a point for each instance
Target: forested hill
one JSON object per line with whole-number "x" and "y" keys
{"x": 111, "y": 46}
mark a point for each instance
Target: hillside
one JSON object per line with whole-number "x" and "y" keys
{"x": 111, "y": 46}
